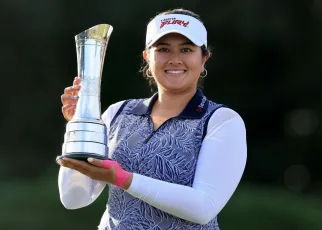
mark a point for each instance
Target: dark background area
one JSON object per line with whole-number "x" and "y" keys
{"x": 266, "y": 65}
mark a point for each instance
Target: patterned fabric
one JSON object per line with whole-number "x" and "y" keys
{"x": 170, "y": 154}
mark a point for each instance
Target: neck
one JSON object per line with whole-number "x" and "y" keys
{"x": 170, "y": 104}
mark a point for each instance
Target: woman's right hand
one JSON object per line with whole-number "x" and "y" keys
{"x": 69, "y": 99}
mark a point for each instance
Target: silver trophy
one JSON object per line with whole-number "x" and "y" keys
{"x": 86, "y": 133}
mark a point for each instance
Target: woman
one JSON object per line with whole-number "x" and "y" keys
{"x": 177, "y": 157}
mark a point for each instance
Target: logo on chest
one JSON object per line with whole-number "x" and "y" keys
{"x": 201, "y": 106}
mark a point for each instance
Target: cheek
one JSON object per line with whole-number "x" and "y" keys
{"x": 157, "y": 62}
{"x": 196, "y": 65}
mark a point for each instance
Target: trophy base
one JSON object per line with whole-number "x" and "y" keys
{"x": 85, "y": 138}
{"x": 83, "y": 156}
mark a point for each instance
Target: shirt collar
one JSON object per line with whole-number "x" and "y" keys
{"x": 195, "y": 109}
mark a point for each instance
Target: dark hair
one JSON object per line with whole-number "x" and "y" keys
{"x": 204, "y": 50}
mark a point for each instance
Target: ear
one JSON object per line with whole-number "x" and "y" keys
{"x": 145, "y": 56}
{"x": 204, "y": 60}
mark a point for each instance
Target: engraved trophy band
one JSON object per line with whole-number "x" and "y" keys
{"x": 86, "y": 133}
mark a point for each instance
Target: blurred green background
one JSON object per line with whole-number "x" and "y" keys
{"x": 266, "y": 65}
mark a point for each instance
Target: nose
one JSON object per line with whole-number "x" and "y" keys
{"x": 175, "y": 59}
{"x": 178, "y": 62}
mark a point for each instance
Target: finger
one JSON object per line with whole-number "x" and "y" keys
{"x": 74, "y": 167}
{"x": 79, "y": 164}
{"x": 76, "y": 81}
{"x": 72, "y": 90}
{"x": 69, "y": 99}
{"x": 68, "y": 111}
{"x": 76, "y": 84}
{"x": 65, "y": 162}
{"x": 96, "y": 162}
{"x": 70, "y": 108}
{"x": 59, "y": 160}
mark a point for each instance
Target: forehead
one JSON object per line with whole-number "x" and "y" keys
{"x": 173, "y": 38}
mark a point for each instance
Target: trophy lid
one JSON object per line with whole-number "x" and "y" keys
{"x": 100, "y": 32}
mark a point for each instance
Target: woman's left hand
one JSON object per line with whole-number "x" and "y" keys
{"x": 101, "y": 170}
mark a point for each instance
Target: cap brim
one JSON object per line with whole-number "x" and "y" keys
{"x": 193, "y": 39}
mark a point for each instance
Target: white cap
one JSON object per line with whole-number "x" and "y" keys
{"x": 188, "y": 26}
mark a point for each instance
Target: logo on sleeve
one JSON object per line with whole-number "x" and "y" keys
{"x": 173, "y": 21}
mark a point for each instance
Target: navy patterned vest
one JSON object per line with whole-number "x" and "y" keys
{"x": 169, "y": 153}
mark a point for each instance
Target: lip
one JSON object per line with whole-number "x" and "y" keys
{"x": 166, "y": 71}
{"x": 175, "y": 75}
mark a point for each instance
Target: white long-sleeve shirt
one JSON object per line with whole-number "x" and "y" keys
{"x": 220, "y": 165}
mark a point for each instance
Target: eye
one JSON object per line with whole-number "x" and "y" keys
{"x": 186, "y": 49}
{"x": 162, "y": 49}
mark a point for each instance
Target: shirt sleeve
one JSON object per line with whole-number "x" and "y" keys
{"x": 76, "y": 190}
{"x": 220, "y": 166}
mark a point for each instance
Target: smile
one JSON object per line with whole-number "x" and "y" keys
{"x": 175, "y": 71}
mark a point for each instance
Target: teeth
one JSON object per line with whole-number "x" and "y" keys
{"x": 175, "y": 71}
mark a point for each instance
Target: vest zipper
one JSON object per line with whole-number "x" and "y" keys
{"x": 149, "y": 137}
{"x": 154, "y": 131}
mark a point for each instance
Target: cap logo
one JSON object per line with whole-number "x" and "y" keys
{"x": 172, "y": 21}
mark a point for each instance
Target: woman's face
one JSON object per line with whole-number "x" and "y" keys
{"x": 175, "y": 63}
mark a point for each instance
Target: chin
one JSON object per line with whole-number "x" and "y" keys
{"x": 174, "y": 88}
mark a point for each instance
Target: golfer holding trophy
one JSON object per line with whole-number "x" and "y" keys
{"x": 174, "y": 159}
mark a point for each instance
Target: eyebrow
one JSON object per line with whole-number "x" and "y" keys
{"x": 167, "y": 44}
